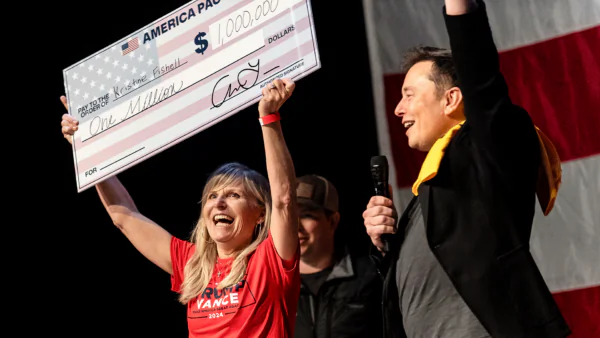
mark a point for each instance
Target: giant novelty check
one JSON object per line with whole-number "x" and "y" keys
{"x": 181, "y": 74}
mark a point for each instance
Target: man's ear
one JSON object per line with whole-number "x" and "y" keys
{"x": 335, "y": 220}
{"x": 452, "y": 101}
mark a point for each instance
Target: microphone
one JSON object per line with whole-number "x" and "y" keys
{"x": 380, "y": 173}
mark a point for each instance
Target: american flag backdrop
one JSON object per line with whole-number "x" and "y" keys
{"x": 549, "y": 53}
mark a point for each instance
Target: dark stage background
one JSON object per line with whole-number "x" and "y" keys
{"x": 86, "y": 278}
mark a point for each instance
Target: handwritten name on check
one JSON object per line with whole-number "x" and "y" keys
{"x": 181, "y": 74}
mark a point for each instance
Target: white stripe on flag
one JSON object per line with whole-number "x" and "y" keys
{"x": 566, "y": 243}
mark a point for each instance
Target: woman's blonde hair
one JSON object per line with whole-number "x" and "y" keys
{"x": 199, "y": 268}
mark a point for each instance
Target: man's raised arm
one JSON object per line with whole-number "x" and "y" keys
{"x": 488, "y": 108}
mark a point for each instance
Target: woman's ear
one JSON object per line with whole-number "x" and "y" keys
{"x": 261, "y": 217}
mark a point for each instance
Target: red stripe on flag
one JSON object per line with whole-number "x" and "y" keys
{"x": 557, "y": 81}
{"x": 581, "y": 310}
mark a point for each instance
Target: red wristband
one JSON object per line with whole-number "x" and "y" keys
{"x": 273, "y": 117}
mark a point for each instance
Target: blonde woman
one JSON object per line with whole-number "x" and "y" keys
{"x": 239, "y": 274}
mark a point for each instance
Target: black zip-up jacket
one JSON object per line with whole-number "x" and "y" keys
{"x": 348, "y": 304}
{"x": 479, "y": 209}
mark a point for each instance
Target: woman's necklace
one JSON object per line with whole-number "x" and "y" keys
{"x": 219, "y": 271}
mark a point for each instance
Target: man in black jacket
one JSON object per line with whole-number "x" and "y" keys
{"x": 340, "y": 293}
{"x": 459, "y": 263}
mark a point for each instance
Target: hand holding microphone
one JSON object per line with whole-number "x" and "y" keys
{"x": 380, "y": 216}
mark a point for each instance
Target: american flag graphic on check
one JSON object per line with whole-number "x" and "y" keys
{"x": 130, "y": 46}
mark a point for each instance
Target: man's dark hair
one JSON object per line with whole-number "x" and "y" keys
{"x": 442, "y": 74}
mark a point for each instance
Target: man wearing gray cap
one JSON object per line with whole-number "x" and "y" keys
{"x": 340, "y": 294}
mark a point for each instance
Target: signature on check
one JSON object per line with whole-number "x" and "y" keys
{"x": 246, "y": 79}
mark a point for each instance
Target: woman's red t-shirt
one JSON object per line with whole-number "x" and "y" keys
{"x": 263, "y": 304}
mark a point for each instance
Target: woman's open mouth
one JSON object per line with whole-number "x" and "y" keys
{"x": 222, "y": 220}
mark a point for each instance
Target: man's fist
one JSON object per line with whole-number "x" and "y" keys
{"x": 380, "y": 218}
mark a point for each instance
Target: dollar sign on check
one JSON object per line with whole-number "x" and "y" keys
{"x": 202, "y": 43}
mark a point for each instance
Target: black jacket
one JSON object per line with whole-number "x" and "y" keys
{"x": 479, "y": 208}
{"x": 348, "y": 303}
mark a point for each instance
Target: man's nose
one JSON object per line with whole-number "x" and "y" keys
{"x": 400, "y": 109}
{"x": 301, "y": 229}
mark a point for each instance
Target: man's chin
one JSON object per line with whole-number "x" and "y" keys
{"x": 413, "y": 144}
{"x": 304, "y": 249}
{"x": 417, "y": 146}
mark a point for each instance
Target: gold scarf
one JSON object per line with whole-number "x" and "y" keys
{"x": 550, "y": 170}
